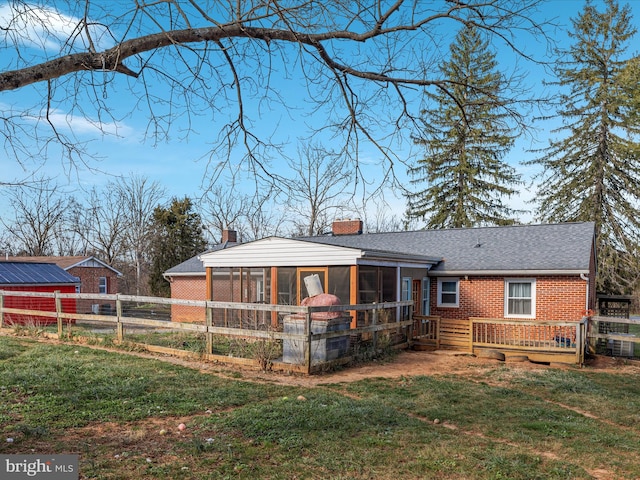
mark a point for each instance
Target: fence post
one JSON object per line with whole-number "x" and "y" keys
{"x": 119, "y": 326}
{"x": 58, "y": 302}
{"x": 307, "y": 332}
{"x": 409, "y": 329}
{"x": 209, "y": 322}
{"x": 1, "y": 308}
{"x": 374, "y": 321}
{"x": 580, "y": 341}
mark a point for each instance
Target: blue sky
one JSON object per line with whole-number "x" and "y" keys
{"x": 182, "y": 164}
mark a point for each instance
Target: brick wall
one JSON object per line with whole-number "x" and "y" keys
{"x": 188, "y": 288}
{"x": 560, "y": 298}
{"x": 90, "y": 279}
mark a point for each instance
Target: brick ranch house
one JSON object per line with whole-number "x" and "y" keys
{"x": 530, "y": 272}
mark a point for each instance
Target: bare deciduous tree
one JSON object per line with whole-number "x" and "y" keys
{"x": 251, "y": 215}
{"x": 138, "y": 198}
{"x": 103, "y": 222}
{"x": 37, "y": 214}
{"x": 360, "y": 63}
{"x": 223, "y": 207}
{"x": 317, "y": 189}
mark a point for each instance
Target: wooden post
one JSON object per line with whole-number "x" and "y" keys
{"x": 209, "y": 322}
{"x": 580, "y": 332}
{"x": 119, "y": 326}
{"x": 408, "y": 330}
{"x": 1, "y": 309}
{"x": 58, "y": 301}
{"x": 308, "y": 333}
{"x": 353, "y": 294}
{"x": 374, "y": 321}
{"x": 273, "y": 299}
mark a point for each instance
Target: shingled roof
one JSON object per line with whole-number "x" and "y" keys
{"x": 194, "y": 266}
{"x": 565, "y": 247}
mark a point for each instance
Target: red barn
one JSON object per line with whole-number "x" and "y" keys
{"x": 35, "y": 277}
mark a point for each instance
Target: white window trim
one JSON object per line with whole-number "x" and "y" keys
{"x": 507, "y": 281}
{"x": 426, "y": 294}
{"x": 406, "y": 288}
{"x": 106, "y": 286}
{"x": 439, "y": 301}
{"x": 260, "y": 290}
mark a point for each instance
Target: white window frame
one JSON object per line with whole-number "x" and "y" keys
{"x": 405, "y": 293}
{"x": 100, "y": 285}
{"x": 406, "y": 288}
{"x": 442, "y": 280}
{"x": 508, "y": 281}
{"x": 426, "y": 294}
{"x": 260, "y": 291}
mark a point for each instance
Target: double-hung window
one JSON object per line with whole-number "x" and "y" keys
{"x": 520, "y": 298}
{"x": 102, "y": 285}
{"x": 448, "y": 292}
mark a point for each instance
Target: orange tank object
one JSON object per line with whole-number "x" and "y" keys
{"x": 322, "y": 300}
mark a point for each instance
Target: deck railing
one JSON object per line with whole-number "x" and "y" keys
{"x": 426, "y": 330}
{"x": 544, "y": 338}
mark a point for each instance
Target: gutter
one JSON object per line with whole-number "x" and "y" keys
{"x": 458, "y": 273}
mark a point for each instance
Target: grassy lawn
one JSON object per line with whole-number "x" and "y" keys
{"x": 121, "y": 413}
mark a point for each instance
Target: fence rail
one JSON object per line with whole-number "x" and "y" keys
{"x": 303, "y": 339}
{"x": 611, "y": 335}
{"x": 298, "y": 332}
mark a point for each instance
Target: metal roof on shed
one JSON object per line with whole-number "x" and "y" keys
{"x": 29, "y": 273}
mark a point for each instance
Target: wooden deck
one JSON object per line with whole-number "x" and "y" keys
{"x": 561, "y": 342}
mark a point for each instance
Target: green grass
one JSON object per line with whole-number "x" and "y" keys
{"x": 120, "y": 414}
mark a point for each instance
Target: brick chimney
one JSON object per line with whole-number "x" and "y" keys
{"x": 347, "y": 227}
{"x": 229, "y": 236}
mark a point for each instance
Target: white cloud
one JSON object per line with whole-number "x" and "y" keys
{"x": 82, "y": 125}
{"x": 78, "y": 125}
{"x": 47, "y": 29}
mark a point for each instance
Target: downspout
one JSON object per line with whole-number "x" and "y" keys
{"x": 586, "y": 305}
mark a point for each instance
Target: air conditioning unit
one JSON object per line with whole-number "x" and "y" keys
{"x": 621, "y": 348}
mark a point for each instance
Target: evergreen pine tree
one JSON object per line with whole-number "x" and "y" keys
{"x": 178, "y": 237}
{"x": 593, "y": 174}
{"x": 466, "y": 135}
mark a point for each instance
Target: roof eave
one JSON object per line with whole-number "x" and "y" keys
{"x": 184, "y": 274}
{"x": 104, "y": 264}
{"x": 457, "y": 273}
